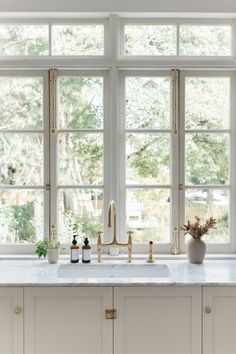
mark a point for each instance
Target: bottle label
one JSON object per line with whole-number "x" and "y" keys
{"x": 74, "y": 254}
{"x": 86, "y": 255}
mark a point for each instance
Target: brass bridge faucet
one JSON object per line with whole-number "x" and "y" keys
{"x": 114, "y": 243}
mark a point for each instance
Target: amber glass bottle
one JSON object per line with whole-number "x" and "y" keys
{"x": 74, "y": 251}
{"x": 86, "y": 251}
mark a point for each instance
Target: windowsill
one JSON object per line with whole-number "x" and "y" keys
{"x": 213, "y": 256}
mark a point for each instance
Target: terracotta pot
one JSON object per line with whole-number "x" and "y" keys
{"x": 53, "y": 255}
{"x": 196, "y": 250}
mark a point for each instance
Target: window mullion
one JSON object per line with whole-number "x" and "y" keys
{"x": 53, "y": 148}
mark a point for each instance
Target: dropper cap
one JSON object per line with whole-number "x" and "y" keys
{"x": 86, "y": 241}
{"x": 74, "y": 240}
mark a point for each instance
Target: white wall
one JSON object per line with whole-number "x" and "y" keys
{"x": 194, "y": 6}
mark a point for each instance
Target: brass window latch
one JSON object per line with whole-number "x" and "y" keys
{"x": 175, "y": 247}
{"x": 110, "y": 314}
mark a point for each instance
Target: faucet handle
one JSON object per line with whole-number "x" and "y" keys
{"x": 99, "y": 236}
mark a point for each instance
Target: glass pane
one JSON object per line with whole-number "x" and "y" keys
{"x": 21, "y": 159}
{"x": 21, "y": 103}
{"x": 80, "y": 102}
{"x": 78, "y": 39}
{"x": 30, "y": 39}
{"x": 21, "y": 216}
{"x": 150, "y": 40}
{"x": 148, "y": 159}
{"x": 81, "y": 212}
{"x": 205, "y": 40}
{"x": 207, "y": 158}
{"x": 148, "y": 102}
{"x": 207, "y": 102}
{"x": 80, "y": 159}
{"x": 210, "y": 202}
{"x": 148, "y": 214}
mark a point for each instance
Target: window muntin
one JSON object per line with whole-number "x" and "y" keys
{"x": 150, "y": 39}
{"x": 24, "y": 39}
{"x": 205, "y": 40}
{"x": 78, "y": 39}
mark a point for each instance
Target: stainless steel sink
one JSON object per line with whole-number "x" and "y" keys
{"x": 114, "y": 271}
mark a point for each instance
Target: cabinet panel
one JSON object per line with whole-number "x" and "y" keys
{"x": 219, "y": 320}
{"x": 67, "y": 320}
{"x": 160, "y": 320}
{"x": 11, "y": 320}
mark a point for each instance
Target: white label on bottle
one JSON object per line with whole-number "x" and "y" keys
{"x": 86, "y": 255}
{"x": 74, "y": 254}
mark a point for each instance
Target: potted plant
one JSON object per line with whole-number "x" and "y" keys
{"x": 48, "y": 248}
{"x": 196, "y": 247}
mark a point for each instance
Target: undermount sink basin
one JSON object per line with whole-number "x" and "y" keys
{"x": 113, "y": 271}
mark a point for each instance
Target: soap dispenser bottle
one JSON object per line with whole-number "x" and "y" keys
{"x": 74, "y": 251}
{"x": 86, "y": 251}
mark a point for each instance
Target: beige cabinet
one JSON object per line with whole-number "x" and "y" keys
{"x": 158, "y": 320}
{"x": 11, "y": 320}
{"x": 219, "y": 320}
{"x": 62, "y": 320}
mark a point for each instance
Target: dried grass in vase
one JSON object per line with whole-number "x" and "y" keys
{"x": 196, "y": 229}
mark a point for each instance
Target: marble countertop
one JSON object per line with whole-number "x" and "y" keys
{"x": 182, "y": 273}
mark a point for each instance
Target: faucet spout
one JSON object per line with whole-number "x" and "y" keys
{"x": 112, "y": 219}
{"x": 114, "y": 242}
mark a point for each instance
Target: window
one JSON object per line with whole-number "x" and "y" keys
{"x": 141, "y": 111}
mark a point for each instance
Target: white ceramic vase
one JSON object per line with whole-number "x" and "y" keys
{"x": 196, "y": 250}
{"x": 53, "y": 255}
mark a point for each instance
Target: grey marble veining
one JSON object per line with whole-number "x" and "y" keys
{"x": 40, "y": 273}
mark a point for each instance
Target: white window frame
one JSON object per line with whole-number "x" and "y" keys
{"x": 29, "y": 248}
{"x": 114, "y": 64}
{"x": 214, "y": 247}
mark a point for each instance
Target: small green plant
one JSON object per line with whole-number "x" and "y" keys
{"x": 42, "y": 247}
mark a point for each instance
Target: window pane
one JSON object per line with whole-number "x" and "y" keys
{"x": 21, "y": 216}
{"x": 21, "y": 159}
{"x": 80, "y": 102}
{"x": 148, "y": 214}
{"x": 210, "y": 202}
{"x": 80, "y": 158}
{"x": 81, "y": 212}
{"x": 207, "y": 158}
{"x": 21, "y": 103}
{"x": 148, "y": 158}
{"x": 30, "y": 39}
{"x": 205, "y": 40}
{"x": 150, "y": 40}
{"x": 207, "y": 102}
{"x": 78, "y": 39}
{"x": 148, "y": 102}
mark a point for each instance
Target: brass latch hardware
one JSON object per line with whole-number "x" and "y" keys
{"x": 52, "y": 92}
{"x": 181, "y": 187}
{"x": 175, "y": 247}
{"x": 47, "y": 187}
{"x": 110, "y": 314}
{"x": 175, "y": 100}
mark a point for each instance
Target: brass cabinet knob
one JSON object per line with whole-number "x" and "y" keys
{"x": 208, "y": 310}
{"x": 18, "y": 310}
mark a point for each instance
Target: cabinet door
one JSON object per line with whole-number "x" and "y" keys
{"x": 67, "y": 320}
{"x": 219, "y": 320}
{"x": 11, "y": 320}
{"x": 160, "y": 320}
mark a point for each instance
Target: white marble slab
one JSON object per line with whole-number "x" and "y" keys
{"x": 40, "y": 273}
